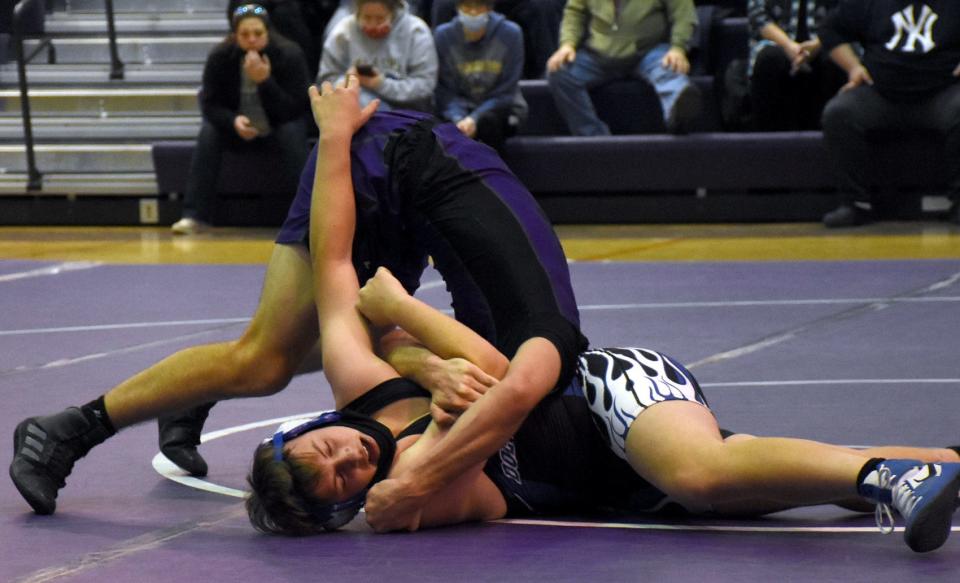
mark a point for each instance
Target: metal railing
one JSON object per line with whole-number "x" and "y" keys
{"x": 34, "y": 176}
{"x": 116, "y": 66}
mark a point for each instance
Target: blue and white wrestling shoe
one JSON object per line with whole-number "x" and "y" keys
{"x": 925, "y": 495}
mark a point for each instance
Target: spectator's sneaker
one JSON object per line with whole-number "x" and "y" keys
{"x": 180, "y": 436}
{"x": 847, "y": 215}
{"x": 188, "y": 226}
{"x": 925, "y": 495}
{"x": 44, "y": 451}
{"x": 685, "y": 110}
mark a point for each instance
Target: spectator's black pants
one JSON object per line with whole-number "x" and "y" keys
{"x": 851, "y": 117}
{"x": 785, "y": 102}
{"x": 494, "y": 127}
{"x": 287, "y": 140}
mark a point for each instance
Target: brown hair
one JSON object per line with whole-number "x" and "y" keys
{"x": 281, "y": 496}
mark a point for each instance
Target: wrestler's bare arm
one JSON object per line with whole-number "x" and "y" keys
{"x": 396, "y": 503}
{"x": 350, "y": 363}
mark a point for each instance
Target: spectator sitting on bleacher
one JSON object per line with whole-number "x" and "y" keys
{"x": 480, "y": 64}
{"x": 601, "y": 41}
{"x": 253, "y": 95}
{"x": 345, "y": 8}
{"x": 538, "y": 19}
{"x": 791, "y": 78}
{"x": 389, "y": 49}
{"x": 287, "y": 18}
{"x": 908, "y": 79}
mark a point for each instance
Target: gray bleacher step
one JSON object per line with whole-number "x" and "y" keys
{"x": 135, "y": 74}
{"x": 64, "y": 24}
{"x": 79, "y": 158}
{"x": 116, "y": 184}
{"x": 139, "y": 49}
{"x": 48, "y": 130}
{"x": 103, "y": 101}
{"x": 166, "y": 6}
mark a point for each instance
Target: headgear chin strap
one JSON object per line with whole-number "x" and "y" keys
{"x": 335, "y": 515}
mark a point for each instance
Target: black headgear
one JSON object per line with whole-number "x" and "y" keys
{"x": 337, "y": 514}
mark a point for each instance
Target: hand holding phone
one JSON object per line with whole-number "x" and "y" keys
{"x": 366, "y": 70}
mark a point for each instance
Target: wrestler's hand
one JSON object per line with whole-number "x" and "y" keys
{"x": 956, "y": 72}
{"x": 380, "y": 296}
{"x": 337, "y": 111}
{"x": 393, "y": 504}
{"x": 454, "y": 385}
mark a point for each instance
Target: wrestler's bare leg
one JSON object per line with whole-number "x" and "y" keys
{"x": 276, "y": 343}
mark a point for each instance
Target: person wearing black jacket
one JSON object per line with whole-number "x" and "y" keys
{"x": 907, "y": 78}
{"x": 253, "y": 96}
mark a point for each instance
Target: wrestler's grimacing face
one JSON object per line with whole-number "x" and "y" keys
{"x": 346, "y": 457}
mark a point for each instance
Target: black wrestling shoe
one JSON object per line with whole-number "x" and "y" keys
{"x": 44, "y": 451}
{"x": 955, "y": 213}
{"x": 847, "y": 216}
{"x": 180, "y": 436}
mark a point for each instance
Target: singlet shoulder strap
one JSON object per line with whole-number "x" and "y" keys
{"x": 386, "y": 393}
{"x": 416, "y": 427}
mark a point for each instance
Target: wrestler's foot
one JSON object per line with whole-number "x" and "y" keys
{"x": 44, "y": 451}
{"x": 180, "y": 436}
{"x": 925, "y": 495}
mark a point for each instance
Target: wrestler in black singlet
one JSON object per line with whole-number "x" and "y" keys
{"x": 558, "y": 462}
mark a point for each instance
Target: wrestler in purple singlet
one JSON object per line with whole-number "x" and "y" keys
{"x": 423, "y": 188}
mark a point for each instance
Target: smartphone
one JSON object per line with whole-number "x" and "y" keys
{"x": 366, "y": 70}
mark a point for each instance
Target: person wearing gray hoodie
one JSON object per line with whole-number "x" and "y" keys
{"x": 389, "y": 49}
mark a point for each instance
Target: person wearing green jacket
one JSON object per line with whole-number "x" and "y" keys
{"x": 605, "y": 40}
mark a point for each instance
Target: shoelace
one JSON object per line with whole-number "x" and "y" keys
{"x": 883, "y": 515}
{"x": 903, "y": 498}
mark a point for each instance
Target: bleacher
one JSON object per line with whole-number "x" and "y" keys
{"x": 117, "y": 151}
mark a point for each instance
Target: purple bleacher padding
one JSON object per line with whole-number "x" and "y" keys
{"x": 731, "y": 40}
{"x": 714, "y": 161}
{"x": 246, "y": 172}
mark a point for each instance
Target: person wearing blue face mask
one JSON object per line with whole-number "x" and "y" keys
{"x": 481, "y": 62}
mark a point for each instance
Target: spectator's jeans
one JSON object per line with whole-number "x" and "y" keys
{"x": 288, "y": 140}
{"x": 571, "y": 86}
{"x": 850, "y": 117}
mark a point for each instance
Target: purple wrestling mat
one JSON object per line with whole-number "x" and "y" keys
{"x": 858, "y": 353}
